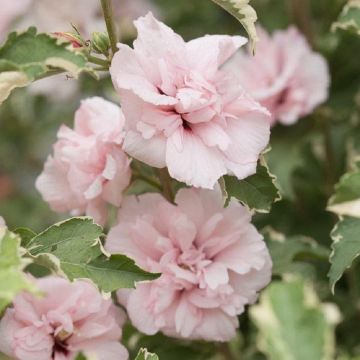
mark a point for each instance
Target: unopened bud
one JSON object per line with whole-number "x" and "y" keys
{"x": 100, "y": 42}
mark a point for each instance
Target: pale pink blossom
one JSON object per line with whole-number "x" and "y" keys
{"x": 285, "y": 75}
{"x": 89, "y": 168}
{"x": 127, "y": 11}
{"x": 2, "y": 222}
{"x": 182, "y": 111}
{"x": 10, "y": 10}
{"x": 54, "y": 15}
{"x": 212, "y": 259}
{"x": 69, "y": 318}
{"x": 131, "y": 10}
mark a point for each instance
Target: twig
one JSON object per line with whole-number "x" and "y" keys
{"x": 98, "y": 61}
{"x": 330, "y": 168}
{"x": 110, "y": 26}
{"x": 226, "y": 352}
{"x": 352, "y": 281}
{"x": 165, "y": 180}
{"x": 301, "y": 14}
{"x": 153, "y": 183}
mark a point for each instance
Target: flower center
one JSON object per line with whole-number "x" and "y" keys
{"x": 60, "y": 345}
{"x": 192, "y": 259}
{"x": 185, "y": 124}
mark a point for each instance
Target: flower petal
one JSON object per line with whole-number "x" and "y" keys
{"x": 196, "y": 164}
{"x": 150, "y": 151}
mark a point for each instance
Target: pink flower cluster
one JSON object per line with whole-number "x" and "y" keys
{"x": 212, "y": 260}
{"x": 188, "y": 106}
{"x": 285, "y": 75}
{"x": 182, "y": 111}
{"x": 89, "y": 168}
{"x": 69, "y": 318}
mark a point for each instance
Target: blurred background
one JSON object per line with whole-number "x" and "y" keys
{"x": 308, "y": 157}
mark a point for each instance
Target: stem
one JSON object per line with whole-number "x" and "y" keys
{"x": 101, "y": 68}
{"x": 110, "y": 26}
{"x": 301, "y": 14}
{"x": 330, "y": 170}
{"x": 97, "y": 61}
{"x": 165, "y": 180}
{"x": 226, "y": 352}
{"x": 352, "y": 281}
{"x": 148, "y": 180}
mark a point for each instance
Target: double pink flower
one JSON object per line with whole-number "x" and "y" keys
{"x": 68, "y": 319}
{"x": 285, "y": 75}
{"x": 212, "y": 260}
{"x": 89, "y": 169}
{"x": 182, "y": 110}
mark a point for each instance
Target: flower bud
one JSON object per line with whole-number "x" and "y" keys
{"x": 100, "y": 42}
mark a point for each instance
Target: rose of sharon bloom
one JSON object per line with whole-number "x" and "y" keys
{"x": 53, "y": 15}
{"x": 182, "y": 111}
{"x": 212, "y": 260}
{"x": 9, "y": 11}
{"x": 88, "y": 168}
{"x": 285, "y": 75}
{"x": 70, "y": 318}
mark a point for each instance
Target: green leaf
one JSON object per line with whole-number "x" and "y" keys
{"x": 346, "y": 200}
{"x": 115, "y": 272}
{"x": 293, "y": 324}
{"x": 80, "y": 356}
{"x": 345, "y": 247}
{"x": 11, "y": 80}
{"x": 245, "y": 14}
{"x": 73, "y": 247}
{"x": 25, "y": 234}
{"x": 349, "y": 18}
{"x": 28, "y": 56}
{"x": 76, "y": 239}
{"x": 12, "y": 277}
{"x": 290, "y": 254}
{"x": 257, "y": 191}
{"x": 145, "y": 355}
{"x": 284, "y": 158}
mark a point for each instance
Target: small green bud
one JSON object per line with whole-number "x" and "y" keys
{"x": 100, "y": 42}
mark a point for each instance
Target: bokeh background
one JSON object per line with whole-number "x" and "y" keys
{"x": 308, "y": 157}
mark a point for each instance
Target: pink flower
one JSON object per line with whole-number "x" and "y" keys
{"x": 88, "y": 168}
{"x": 285, "y": 75}
{"x": 70, "y": 318}
{"x": 129, "y": 10}
{"x": 10, "y": 10}
{"x": 53, "y": 15}
{"x": 213, "y": 263}
{"x": 2, "y": 222}
{"x": 182, "y": 111}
